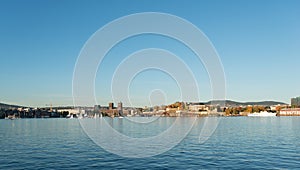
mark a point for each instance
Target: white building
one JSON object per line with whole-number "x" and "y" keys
{"x": 290, "y": 112}
{"x": 196, "y": 108}
{"x": 71, "y": 111}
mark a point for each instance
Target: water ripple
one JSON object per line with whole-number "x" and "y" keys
{"x": 238, "y": 143}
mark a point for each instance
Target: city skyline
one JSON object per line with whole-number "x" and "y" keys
{"x": 40, "y": 43}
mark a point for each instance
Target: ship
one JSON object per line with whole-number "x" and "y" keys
{"x": 262, "y": 114}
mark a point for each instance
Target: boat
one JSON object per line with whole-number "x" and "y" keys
{"x": 262, "y": 114}
{"x": 11, "y": 117}
{"x": 70, "y": 116}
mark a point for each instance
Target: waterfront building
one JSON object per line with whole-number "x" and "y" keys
{"x": 97, "y": 108}
{"x": 290, "y": 112}
{"x": 70, "y": 111}
{"x": 198, "y": 107}
{"x": 111, "y": 106}
{"x": 120, "y": 108}
{"x": 295, "y": 102}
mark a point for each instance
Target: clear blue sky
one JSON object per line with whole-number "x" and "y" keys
{"x": 258, "y": 42}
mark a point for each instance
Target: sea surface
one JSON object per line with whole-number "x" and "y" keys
{"x": 237, "y": 143}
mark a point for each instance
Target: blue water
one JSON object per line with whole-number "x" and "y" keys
{"x": 238, "y": 143}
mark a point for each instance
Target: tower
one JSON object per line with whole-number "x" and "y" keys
{"x": 111, "y": 106}
{"x": 120, "y": 108}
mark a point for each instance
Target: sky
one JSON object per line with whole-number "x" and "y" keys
{"x": 258, "y": 43}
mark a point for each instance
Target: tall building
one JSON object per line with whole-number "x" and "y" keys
{"x": 295, "y": 102}
{"x": 120, "y": 108}
{"x": 97, "y": 108}
{"x": 111, "y": 106}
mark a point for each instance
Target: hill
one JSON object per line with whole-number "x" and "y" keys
{"x": 9, "y": 106}
{"x": 234, "y": 103}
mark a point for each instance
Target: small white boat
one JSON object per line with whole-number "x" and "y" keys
{"x": 11, "y": 117}
{"x": 262, "y": 114}
{"x": 70, "y": 116}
